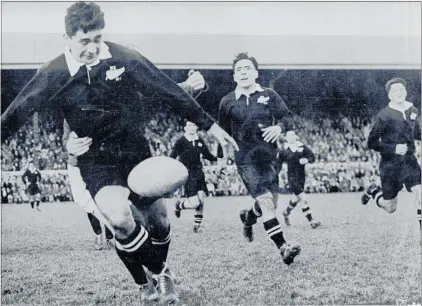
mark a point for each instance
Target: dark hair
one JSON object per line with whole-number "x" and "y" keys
{"x": 394, "y": 81}
{"x": 244, "y": 55}
{"x": 85, "y": 16}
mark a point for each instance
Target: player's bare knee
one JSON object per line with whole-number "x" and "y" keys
{"x": 390, "y": 206}
{"x": 266, "y": 203}
{"x": 113, "y": 203}
{"x": 300, "y": 197}
{"x": 201, "y": 198}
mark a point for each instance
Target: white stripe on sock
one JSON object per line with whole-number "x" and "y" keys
{"x": 160, "y": 242}
{"x": 255, "y": 211}
{"x": 275, "y": 232}
{"x": 271, "y": 230}
{"x": 139, "y": 244}
{"x": 135, "y": 241}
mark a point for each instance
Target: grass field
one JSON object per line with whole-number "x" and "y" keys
{"x": 360, "y": 255}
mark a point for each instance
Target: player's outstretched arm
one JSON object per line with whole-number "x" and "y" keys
{"x": 154, "y": 82}
{"x": 224, "y": 122}
{"x": 307, "y": 152}
{"x": 175, "y": 152}
{"x": 207, "y": 154}
{"x": 31, "y": 99}
{"x": 194, "y": 82}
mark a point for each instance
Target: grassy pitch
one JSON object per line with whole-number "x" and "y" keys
{"x": 360, "y": 255}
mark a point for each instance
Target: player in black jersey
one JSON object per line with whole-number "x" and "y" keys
{"x": 189, "y": 149}
{"x": 393, "y": 135}
{"x": 94, "y": 84}
{"x": 31, "y": 179}
{"x": 296, "y": 155}
{"x": 256, "y": 117}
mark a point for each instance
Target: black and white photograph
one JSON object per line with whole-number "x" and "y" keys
{"x": 210, "y": 153}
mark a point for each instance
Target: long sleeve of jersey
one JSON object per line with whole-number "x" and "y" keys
{"x": 281, "y": 112}
{"x": 418, "y": 128}
{"x": 207, "y": 154}
{"x": 224, "y": 123}
{"x": 375, "y": 142}
{"x": 31, "y": 99}
{"x": 175, "y": 152}
{"x": 154, "y": 82}
{"x": 307, "y": 152}
{"x": 24, "y": 177}
{"x": 282, "y": 157}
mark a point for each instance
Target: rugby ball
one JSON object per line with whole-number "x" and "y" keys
{"x": 157, "y": 176}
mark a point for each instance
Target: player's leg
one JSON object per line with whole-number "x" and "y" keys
{"x": 292, "y": 204}
{"x": 38, "y": 199}
{"x": 132, "y": 240}
{"x": 199, "y": 211}
{"x": 307, "y": 210}
{"x": 97, "y": 229}
{"x": 83, "y": 198}
{"x": 154, "y": 214}
{"x": 413, "y": 183}
{"x": 31, "y": 200}
{"x": 385, "y": 195}
{"x": 273, "y": 228}
{"x": 249, "y": 217}
{"x": 192, "y": 201}
{"x": 417, "y": 192}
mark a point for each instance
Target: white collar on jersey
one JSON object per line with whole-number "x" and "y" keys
{"x": 401, "y": 108}
{"x": 293, "y": 146}
{"x": 239, "y": 91}
{"x": 73, "y": 65}
{"x": 191, "y": 138}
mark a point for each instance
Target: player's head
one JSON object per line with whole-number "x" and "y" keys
{"x": 396, "y": 90}
{"x": 291, "y": 137}
{"x": 190, "y": 128}
{"x": 84, "y": 23}
{"x": 31, "y": 165}
{"x": 245, "y": 70}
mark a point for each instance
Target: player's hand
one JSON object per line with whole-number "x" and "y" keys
{"x": 401, "y": 149}
{"x": 223, "y": 138}
{"x": 303, "y": 161}
{"x": 77, "y": 146}
{"x": 195, "y": 81}
{"x": 271, "y": 133}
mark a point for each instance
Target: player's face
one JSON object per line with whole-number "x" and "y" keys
{"x": 245, "y": 73}
{"x": 85, "y": 47}
{"x": 191, "y": 128}
{"x": 397, "y": 93}
{"x": 31, "y": 167}
{"x": 290, "y": 137}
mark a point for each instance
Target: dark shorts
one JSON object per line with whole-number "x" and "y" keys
{"x": 195, "y": 182}
{"x": 398, "y": 172}
{"x": 260, "y": 179}
{"x": 297, "y": 186}
{"x": 99, "y": 176}
{"x": 33, "y": 189}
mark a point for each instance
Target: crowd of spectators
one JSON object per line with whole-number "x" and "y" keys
{"x": 343, "y": 163}
{"x": 43, "y": 146}
{"x": 54, "y": 187}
